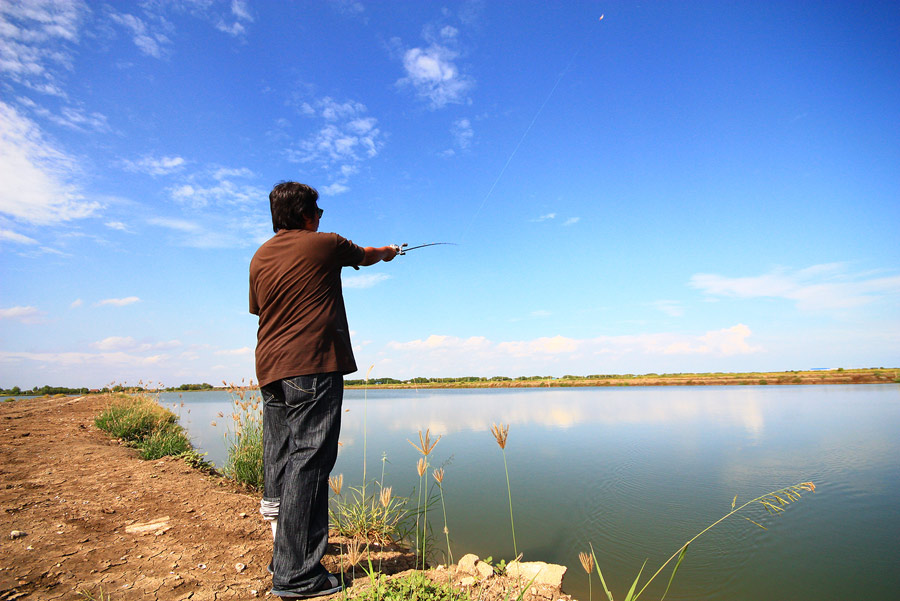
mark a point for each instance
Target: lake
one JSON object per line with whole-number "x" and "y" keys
{"x": 637, "y": 471}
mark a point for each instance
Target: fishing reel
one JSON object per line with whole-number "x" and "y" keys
{"x": 400, "y": 248}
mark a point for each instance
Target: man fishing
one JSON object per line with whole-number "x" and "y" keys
{"x": 302, "y": 353}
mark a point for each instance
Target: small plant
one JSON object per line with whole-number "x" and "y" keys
{"x": 90, "y": 596}
{"x": 424, "y": 447}
{"x": 773, "y": 502}
{"x": 365, "y": 515}
{"x": 415, "y": 586}
{"x": 500, "y": 433}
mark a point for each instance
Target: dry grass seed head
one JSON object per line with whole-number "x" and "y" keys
{"x": 500, "y": 433}
{"x": 336, "y": 483}
{"x": 385, "y": 497}
{"x": 421, "y": 466}
{"x": 587, "y": 562}
{"x": 425, "y": 445}
{"x": 439, "y": 475}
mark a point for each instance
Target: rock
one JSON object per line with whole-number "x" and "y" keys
{"x": 542, "y": 573}
{"x": 17, "y": 534}
{"x": 239, "y": 567}
{"x": 157, "y": 526}
{"x": 467, "y": 581}
{"x": 466, "y": 565}
{"x": 484, "y": 570}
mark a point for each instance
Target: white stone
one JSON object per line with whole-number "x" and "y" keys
{"x": 466, "y": 565}
{"x": 543, "y": 573}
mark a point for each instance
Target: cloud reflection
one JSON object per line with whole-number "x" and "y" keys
{"x": 448, "y": 411}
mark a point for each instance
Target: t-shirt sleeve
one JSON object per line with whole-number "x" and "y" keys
{"x": 348, "y": 253}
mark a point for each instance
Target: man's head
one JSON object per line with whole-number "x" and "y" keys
{"x": 294, "y": 207}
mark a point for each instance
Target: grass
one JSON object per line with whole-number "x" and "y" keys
{"x": 141, "y": 422}
{"x": 772, "y": 502}
{"x": 415, "y": 586}
{"x": 244, "y": 439}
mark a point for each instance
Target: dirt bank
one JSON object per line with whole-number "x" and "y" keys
{"x": 81, "y": 512}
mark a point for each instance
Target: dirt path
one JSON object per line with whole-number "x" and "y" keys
{"x": 81, "y": 512}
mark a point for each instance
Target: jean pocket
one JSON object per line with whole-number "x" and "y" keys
{"x": 299, "y": 390}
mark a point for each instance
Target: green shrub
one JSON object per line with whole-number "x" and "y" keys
{"x": 142, "y": 423}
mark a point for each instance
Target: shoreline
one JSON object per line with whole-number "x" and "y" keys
{"x": 785, "y": 378}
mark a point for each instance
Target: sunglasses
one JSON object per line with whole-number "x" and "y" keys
{"x": 319, "y": 212}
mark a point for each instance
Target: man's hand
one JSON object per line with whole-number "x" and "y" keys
{"x": 374, "y": 255}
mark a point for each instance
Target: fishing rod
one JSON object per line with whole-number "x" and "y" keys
{"x": 404, "y": 248}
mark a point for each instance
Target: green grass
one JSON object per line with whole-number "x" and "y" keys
{"x": 142, "y": 423}
{"x": 245, "y": 440}
{"x": 415, "y": 586}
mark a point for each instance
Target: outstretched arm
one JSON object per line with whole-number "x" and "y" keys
{"x": 374, "y": 255}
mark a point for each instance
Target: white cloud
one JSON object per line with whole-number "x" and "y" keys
{"x": 148, "y": 41}
{"x": 818, "y": 288}
{"x": 346, "y": 137}
{"x": 434, "y": 76}
{"x": 669, "y": 307}
{"x": 238, "y": 352}
{"x": 34, "y": 175}
{"x": 180, "y": 225}
{"x": 117, "y": 225}
{"x": 34, "y": 38}
{"x": 572, "y": 220}
{"x": 335, "y": 188}
{"x": 129, "y": 344}
{"x": 479, "y": 355}
{"x": 462, "y": 133}
{"x": 76, "y": 303}
{"x": 155, "y": 166}
{"x": 119, "y": 302}
{"x": 23, "y": 314}
{"x": 115, "y": 343}
{"x": 546, "y": 217}
{"x": 366, "y": 280}
{"x": 11, "y": 236}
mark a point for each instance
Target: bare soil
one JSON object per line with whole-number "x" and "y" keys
{"x": 83, "y": 516}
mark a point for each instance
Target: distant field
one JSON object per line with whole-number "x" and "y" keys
{"x": 833, "y": 376}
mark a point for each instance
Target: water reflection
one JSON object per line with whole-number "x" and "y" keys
{"x": 637, "y": 471}
{"x": 450, "y": 411}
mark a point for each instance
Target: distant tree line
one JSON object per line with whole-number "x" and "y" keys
{"x": 42, "y": 391}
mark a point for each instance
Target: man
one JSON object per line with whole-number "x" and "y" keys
{"x": 302, "y": 353}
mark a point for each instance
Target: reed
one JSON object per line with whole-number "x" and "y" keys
{"x": 424, "y": 447}
{"x": 244, "y": 438}
{"x": 500, "y": 433}
{"x": 772, "y": 502}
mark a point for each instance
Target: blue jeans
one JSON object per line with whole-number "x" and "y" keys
{"x": 301, "y": 424}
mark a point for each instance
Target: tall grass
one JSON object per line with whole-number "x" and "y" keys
{"x": 142, "y": 423}
{"x": 244, "y": 438}
{"x": 772, "y": 502}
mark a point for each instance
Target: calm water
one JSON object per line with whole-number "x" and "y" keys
{"x": 638, "y": 471}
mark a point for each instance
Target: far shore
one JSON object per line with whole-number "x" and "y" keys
{"x": 873, "y": 375}
{"x": 825, "y": 376}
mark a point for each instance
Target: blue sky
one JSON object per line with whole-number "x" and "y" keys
{"x": 680, "y": 186}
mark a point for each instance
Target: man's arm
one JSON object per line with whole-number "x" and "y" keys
{"x": 374, "y": 255}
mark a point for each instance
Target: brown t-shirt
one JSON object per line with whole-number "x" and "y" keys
{"x": 295, "y": 288}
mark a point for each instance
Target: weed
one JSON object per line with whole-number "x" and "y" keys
{"x": 772, "y": 502}
{"x": 500, "y": 433}
{"x": 140, "y": 422}
{"x": 245, "y": 438}
{"x": 415, "y": 586}
{"x": 90, "y": 596}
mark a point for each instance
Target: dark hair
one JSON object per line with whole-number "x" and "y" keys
{"x": 291, "y": 202}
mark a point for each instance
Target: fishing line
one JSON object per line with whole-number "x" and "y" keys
{"x": 524, "y": 135}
